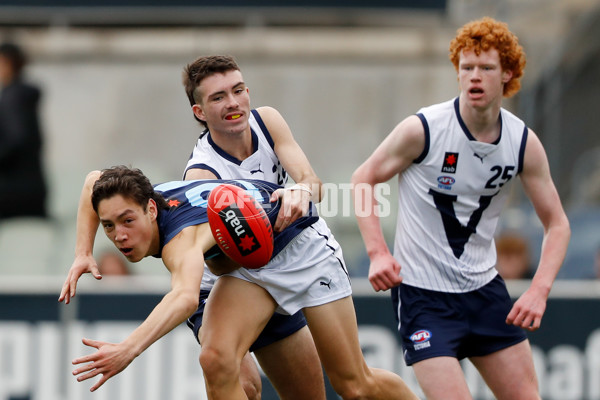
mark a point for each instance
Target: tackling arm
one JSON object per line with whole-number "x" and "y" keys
{"x": 295, "y": 200}
{"x": 87, "y": 227}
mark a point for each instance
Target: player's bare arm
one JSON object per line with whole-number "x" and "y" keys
{"x": 294, "y": 201}
{"x": 183, "y": 258}
{"x": 537, "y": 182}
{"x": 403, "y": 145}
{"x": 87, "y": 227}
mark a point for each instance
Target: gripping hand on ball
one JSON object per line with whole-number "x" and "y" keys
{"x": 295, "y": 202}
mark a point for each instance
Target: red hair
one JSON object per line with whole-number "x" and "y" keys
{"x": 487, "y": 33}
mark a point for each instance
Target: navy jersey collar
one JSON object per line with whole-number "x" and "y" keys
{"x": 228, "y": 156}
{"x": 464, "y": 126}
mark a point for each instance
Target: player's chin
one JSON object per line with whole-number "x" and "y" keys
{"x": 132, "y": 256}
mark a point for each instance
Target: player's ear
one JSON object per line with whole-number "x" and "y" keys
{"x": 506, "y": 76}
{"x": 152, "y": 209}
{"x": 198, "y": 112}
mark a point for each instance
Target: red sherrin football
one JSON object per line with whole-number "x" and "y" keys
{"x": 240, "y": 226}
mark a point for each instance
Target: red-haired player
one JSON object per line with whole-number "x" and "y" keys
{"x": 455, "y": 161}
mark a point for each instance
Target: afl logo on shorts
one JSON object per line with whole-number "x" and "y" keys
{"x": 421, "y": 339}
{"x": 420, "y": 336}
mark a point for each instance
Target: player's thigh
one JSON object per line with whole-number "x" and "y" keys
{"x": 236, "y": 312}
{"x": 335, "y": 332}
{"x": 510, "y": 372}
{"x": 442, "y": 378}
{"x": 293, "y": 366}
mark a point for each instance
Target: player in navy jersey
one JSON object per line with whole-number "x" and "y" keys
{"x": 455, "y": 162}
{"x": 169, "y": 221}
{"x": 240, "y": 142}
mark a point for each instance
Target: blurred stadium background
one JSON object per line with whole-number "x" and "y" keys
{"x": 342, "y": 73}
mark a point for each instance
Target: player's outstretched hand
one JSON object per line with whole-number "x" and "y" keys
{"x": 528, "y": 310}
{"x": 294, "y": 204}
{"x": 109, "y": 360}
{"x": 80, "y": 266}
{"x": 384, "y": 272}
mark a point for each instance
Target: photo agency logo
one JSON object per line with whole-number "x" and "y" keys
{"x": 338, "y": 200}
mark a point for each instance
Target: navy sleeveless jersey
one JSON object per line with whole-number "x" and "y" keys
{"x": 188, "y": 202}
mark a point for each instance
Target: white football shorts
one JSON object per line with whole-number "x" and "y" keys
{"x": 309, "y": 271}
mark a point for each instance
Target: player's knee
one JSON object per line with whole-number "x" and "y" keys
{"x": 352, "y": 393}
{"x": 218, "y": 366}
{"x": 356, "y": 385}
{"x": 349, "y": 389}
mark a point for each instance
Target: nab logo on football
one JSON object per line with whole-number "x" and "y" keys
{"x": 450, "y": 162}
{"x": 238, "y": 229}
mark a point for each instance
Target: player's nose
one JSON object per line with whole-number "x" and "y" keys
{"x": 120, "y": 235}
{"x": 232, "y": 101}
{"x": 476, "y": 74}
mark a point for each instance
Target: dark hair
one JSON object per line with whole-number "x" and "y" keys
{"x": 201, "y": 68}
{"x": 15, "y": 56}
{"x": 128, "y": 182}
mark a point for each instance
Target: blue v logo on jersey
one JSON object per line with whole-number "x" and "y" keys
{"x": 450, "y": 162}
{"x": 457, "y": 233}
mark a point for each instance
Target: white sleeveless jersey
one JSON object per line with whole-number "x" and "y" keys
{"x": 450, "y": 199}
{"x": 262, "y": 164}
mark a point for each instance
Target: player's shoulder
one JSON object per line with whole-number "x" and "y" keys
{"x": 203, "y": 138}
{"x": 266, "y": 111}
{"x": 510, "y": 118}
{"x": 267, "y": 116}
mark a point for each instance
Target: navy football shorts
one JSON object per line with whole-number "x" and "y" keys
{"x": 460, "y": 325}
{"x": 279, "y": 326}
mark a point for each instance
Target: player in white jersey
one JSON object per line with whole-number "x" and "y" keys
{"x": 455, "y": 161}
{"x": 238, "y": 142}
